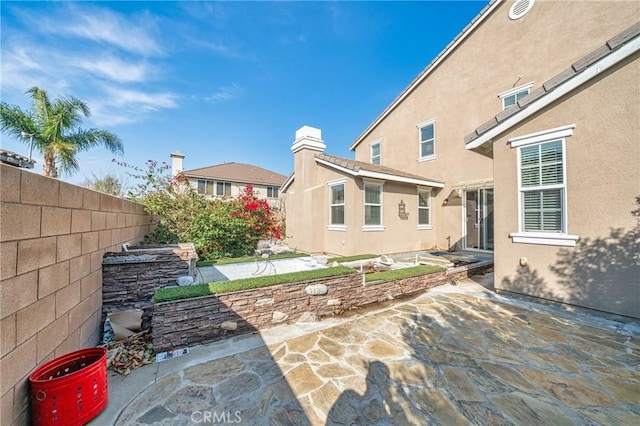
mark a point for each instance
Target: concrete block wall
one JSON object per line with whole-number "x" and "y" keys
{"x": 52, "y": 238}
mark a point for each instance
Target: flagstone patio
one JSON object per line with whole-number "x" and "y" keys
{"x": 456, "y": 355}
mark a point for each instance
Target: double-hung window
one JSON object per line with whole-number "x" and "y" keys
{"x": 272, "y": 192}
{"x": 373, "y": 206}
{"x": 424, "y": 209}
{"x": 511, "y": 96}
{"x": 223, "y": 189}
{"x": 336, "y": 206}
{"x": 542, "y": 187}
{"x": 375, "y": 153}
{"x": 427, "y": 140}
{"x": 205, "y": 187}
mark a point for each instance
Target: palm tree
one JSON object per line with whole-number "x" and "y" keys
{"x": 53, "y": 130}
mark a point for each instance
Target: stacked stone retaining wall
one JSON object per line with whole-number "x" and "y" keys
{"x": 130, "y": 278}
{"x": 204, "y": 319}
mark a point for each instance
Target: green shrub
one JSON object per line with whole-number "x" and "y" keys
{"x": 227, "y": 227}
{"x": 186, "y": 292}
{"x": 396, "y": 274}
{"x": 351, "y": 258}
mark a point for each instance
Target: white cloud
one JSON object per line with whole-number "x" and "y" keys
{"x": 103, "y": 26}
{"x": 226, "y": 93}
{"x": 124, "y": 106}
{"x": 149, "y": 101}
{"x": 114, "y": 69}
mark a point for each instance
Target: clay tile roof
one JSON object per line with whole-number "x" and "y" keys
{"x": 238, "y": 172}
{"x": 549, "y": 86}
{"x": 359, "y": 166}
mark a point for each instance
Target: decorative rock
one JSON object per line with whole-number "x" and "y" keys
{"x": 278, "y": 317}
{"x": 334, "y": 264}
{"x": 265, "y": 301}
{"x": 334, "y": 302}
{"x": 184, "y": 280}
{"x": 316, "y": 289}
{"x": 229, "y": 325}
{"x": 308, "y": 317}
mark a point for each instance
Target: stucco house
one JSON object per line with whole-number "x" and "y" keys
{"x": 555, "y": 166}
{"x": 229, "y": 179}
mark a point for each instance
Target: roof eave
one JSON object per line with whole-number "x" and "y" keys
{"x": 475, "y": 22}
{"x": 382, "y": 176}
{"x": 578, "y": 80}
{"x": 234, "y": 180}
{"x": 287, "y": 183}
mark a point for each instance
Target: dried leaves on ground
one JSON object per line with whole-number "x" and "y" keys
{"x": 131, "y": 353}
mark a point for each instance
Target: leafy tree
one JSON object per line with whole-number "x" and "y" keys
{"x": 222, "y": 227}
{"x": 108, "y": 184}
{"x": 53, "y": 129}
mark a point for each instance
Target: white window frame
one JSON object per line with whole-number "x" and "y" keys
{"x": 379, "y": 156}
{"x": 515, "y": 92}
{"x": 562, "y": 238}
{"x": 380, "y": 184}
{"x": 430, "y": 224}
{"x": 207, "y": 183}
{"x": 273, "y": 189}
{"x": 338, "y": 227}
{"x": 224, "y": 185}
{"x": 420, "y": 126}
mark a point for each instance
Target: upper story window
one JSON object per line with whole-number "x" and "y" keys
{"x": 375, "y": 153}
{"x": 542, "y": 187}
{"x": 223, "y": 189}
{"x": 427, "y": 139}
{"x": 272, "y": 191}
{"x": 511, "y": 96}
{"x": 373, "y": 206}
{"x": 424, "y": 209}
{"x": 336, "y": 205}
{"x": 205, "y": 187}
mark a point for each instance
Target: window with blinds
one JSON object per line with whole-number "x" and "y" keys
{"x": 542, "y": 187}
{"x": 372, "y": 204}
{"x": 336, "y": 204}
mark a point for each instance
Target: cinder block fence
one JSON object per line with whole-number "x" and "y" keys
{"x": 52, "y": 239}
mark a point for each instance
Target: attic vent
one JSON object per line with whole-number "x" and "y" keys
{"x": 520, "y": 8}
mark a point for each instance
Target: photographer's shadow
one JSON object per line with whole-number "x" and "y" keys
{"x": 380, "y": 403}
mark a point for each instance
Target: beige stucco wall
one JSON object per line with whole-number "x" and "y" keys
{"x": 52, "y": 239}
{"x": 308, "y": 214}
{"x": 462, "y": 92}
{"x": 603, "y": 179}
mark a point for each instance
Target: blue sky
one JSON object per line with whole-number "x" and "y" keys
{"x": 220, "y": 81}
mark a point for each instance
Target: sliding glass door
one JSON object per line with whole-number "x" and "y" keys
{"x": 478, "y": 219}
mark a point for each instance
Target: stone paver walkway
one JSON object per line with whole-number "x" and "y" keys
{"x": 458, "y": 355}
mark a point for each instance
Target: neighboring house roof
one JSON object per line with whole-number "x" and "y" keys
{"x": 10, "y": 157}
{"x": 238, "y": 172}
{"x": 362, "y": 169}
{"x": 466, "y": 31}
{"x": 613, "y": 51}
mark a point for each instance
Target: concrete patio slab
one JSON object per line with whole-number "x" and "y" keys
{"x": 459, "y": 354}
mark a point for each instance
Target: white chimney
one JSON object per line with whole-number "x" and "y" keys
{"x": 310, "y": 138}
{"x": 176, "y": 162}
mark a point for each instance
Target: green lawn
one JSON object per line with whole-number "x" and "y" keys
{"x": 351, "y": 258}
{"x": 396, "y": 274}
{"x": 186, "y": 292}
